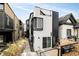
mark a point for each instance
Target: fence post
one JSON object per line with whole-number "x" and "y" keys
{"x": 59, "y": 51}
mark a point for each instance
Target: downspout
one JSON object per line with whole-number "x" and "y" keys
{"x": 30, "y": 35}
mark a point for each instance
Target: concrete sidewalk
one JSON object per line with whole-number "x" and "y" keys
{"x": 27, "y": 51}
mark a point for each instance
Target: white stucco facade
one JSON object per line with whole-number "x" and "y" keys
{"x": 63, "y": 31}
{"x": 47, "y": 28}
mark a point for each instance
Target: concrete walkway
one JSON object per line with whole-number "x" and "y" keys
{"x": 27, "y": 51}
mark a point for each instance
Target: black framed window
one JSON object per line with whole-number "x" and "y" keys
{"x": 1, "y": 38}
{"x": 46, "y": 42}
{"x": 49, "y": 41}
{"x": 7, "y": 20}
{"x": 68, "y": 32}
{"x": 38, "y": 23}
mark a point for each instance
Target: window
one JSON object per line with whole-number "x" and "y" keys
{"x": 38, "y": 24}
{"x": 7, "y": 20}
{"x": 1, "y": 38}
{"x": 1, "y": 6}
{"x": 46, "y": 42}
{"x": 68, "y": 32}
{"x": 49, "y": 41}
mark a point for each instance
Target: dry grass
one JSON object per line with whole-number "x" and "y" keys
{"x": 75, "y": 51}
{"x": 66, "y": 42}
{"x": 15, "y": 48}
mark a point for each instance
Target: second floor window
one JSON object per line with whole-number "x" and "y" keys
{"x": 38, "y": 24}
{"x": 1, "y": 6}
{"x": 7, "y": 20}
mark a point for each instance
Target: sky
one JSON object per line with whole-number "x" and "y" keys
{"x": 23, "y": 10}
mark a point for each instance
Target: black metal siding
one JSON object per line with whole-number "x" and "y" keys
{"x": 55, "y": 27}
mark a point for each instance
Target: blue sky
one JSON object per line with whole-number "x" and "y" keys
{"x": 22, "y": 10}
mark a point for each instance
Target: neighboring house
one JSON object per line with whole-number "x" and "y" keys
{"x": 68, "y": 27}
{"x": 42, "y": 28}
{"x": 9, "y": 24}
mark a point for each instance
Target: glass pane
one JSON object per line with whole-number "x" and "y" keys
{"x": 68, "y": 32}
{"x": 44, "y": 42}
{"x": 49, "y": 41}
{"x": 1, "y": 6}
{"x": 1, "y": 39}
{"x": 39, "y": 22}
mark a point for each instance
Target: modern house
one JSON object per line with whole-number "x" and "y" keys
{"x": 9, "y": 24}
{"x": 68, "y": 27}
{"x": 42, "y": 28}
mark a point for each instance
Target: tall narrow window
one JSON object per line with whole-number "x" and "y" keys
{"x": 49, "y": 41}
{"x": 44, "y": 42}
{"x": 1, "y": 6}
{"x": 7, "y": 20}
{"x": 1, "y": 38}
{"x": 68, "y": 32}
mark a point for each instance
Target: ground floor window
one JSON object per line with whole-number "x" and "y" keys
{"x": 68, "y": 32}
{"x": 1, "y": 38}
{"x": 46, "y": 42}
{"x": 77, "y": 33}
